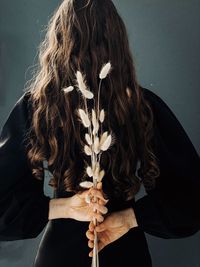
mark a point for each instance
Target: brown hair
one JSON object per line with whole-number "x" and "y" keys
{"x": 83, "y": 35}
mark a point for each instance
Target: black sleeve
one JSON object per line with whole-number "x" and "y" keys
{"x": 23, "y": 206}
{"x": 172, "y": 208}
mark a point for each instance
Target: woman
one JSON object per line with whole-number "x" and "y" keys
{"x": 82, "y": 35}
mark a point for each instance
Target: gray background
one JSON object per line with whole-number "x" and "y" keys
{"x": 165, "y": 40}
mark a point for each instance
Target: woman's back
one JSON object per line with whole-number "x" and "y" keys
{"x": 82, "y": 35}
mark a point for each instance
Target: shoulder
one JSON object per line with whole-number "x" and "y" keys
{"x": 21, "y": 105}
{"x": 154, "y": 99}
{"x": 160, "y": 107}
{"x": 19, "y": 114}
{"x": 24, "y": 100}
{"x": 167, "y": 124}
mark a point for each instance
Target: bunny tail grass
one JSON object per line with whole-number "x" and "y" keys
{"x": 68, "y": 89}
{"x": 84, "y": 118}
{"x": 82, "y": 86}
{"x": 95, "y": 142}
{"x": 105, "y": 71}
{"x": 86, "y": 184}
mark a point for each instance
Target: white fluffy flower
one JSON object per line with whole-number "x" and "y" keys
{"x": 106, "y": 143}
{"x": 87, "y": 150}
{"x": 89, "y": 171}
{"x": 86, "y": 184}
{"x": 105, "y": 71}
{"x": 84, "y": 118}
{"x": 102, "y": 116}
{"x": 68, "y": 89}
{"x": 88, "y": 139}
{"x": 82, "y": 86}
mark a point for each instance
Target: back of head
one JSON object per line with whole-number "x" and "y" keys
{"x": 84, "y": 34}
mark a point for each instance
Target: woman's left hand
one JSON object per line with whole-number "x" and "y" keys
{"x": 80, "y": 210}
{"x": 115, "y": 225}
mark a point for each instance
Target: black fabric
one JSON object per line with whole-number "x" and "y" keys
{"x": 23, "y": 206}
{"x": 171, "y": 210}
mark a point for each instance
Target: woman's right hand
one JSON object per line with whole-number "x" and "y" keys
{"x": 77, "y": 208}
{"x": 115, "y": 225}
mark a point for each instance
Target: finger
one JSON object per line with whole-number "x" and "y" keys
{"x": 83, "y": 194}
{"x": 91, "y": 253}
{"x": 101, "y": 245}
{"x": 90, "y": 235}
{"x": 99, "y": 208}
{"x": 103, "y": 193}
{"x": 99, "y": 187}
{"x": 90, "y": 244}
{"x": 91, "y": 226}
{"x": 100, "y": 228}
{"x": 102, "y": 202}
{"x": 97, "y": 216}
{"x": 96, "y": 193}
{"x": 100, "y": 193}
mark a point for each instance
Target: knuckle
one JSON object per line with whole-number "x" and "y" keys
{"x": 101, "y": 202}
{"x": 105, "y": 210}
{"x": 91, "y": 228}
{"x": 100, "y": 218}
{"x": 90, "y": 245}
{"x": 102, "y": 209}
{"x": 90, "y": 236}
{"x": 93, "y": 191}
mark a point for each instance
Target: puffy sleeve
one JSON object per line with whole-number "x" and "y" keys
{"x": 172, "y": 208}
{"x": 23, "y": 206}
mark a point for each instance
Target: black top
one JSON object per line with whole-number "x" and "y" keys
{"x": 171, "y": 210}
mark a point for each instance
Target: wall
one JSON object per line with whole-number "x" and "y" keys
{"x": 165, "y": 40}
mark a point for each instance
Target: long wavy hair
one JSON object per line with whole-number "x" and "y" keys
{"x": 83, "y": 35}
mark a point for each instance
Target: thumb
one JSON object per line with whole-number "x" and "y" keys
{"x": 101, "y": 227}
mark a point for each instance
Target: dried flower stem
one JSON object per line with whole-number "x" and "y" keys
{"x": 96, "y": 144}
